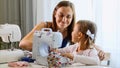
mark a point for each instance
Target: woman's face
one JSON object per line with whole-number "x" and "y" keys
{"x": 75, "y": 34}
{"x": 64, "y": 16}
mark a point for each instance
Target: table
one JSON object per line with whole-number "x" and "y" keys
{"x": 32, "y": 65}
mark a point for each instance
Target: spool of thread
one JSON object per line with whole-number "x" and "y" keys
{"x": 9, "y": 56}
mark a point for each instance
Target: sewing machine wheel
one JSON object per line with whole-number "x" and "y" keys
{"x": 43, "y": 50}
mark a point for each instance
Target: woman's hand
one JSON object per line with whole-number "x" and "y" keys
{"x": 68, "y": 55}
{"x": 18, "y": 64}
{"x": 101, "y": 55}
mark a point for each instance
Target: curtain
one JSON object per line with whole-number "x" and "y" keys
{"x": 16, "y": 12}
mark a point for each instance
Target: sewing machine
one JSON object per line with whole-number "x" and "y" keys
{"x": 10, "y": 33}
{"x": 48, "y": 38}
{"x": 42, "y": 41}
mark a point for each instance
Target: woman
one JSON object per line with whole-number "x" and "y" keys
{"x": 63, "y": 20}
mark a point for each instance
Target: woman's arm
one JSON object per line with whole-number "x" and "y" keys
{"x": 27, "y": 42}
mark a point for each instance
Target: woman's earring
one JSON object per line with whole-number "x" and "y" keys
{"x": 78, "y": 37}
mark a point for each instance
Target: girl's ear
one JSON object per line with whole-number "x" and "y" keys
{"x": 80, "y": 35}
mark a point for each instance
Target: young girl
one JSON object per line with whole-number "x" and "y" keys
{"x": 83, "y": 51}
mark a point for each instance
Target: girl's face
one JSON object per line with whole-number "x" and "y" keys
{"x": 75, "y": 34}
{"x": 64, "y": 16}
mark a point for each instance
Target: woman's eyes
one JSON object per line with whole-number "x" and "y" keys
{"x": 68, "y": 16}
{"x": 60, "y": 15}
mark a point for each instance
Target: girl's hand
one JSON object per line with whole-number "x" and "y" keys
{"x": 68, "y": 55}
{"x": 101, "y": 55}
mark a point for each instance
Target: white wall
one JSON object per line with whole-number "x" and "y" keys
{"x": 110, "y": 28}
{"x": 40, "y": 10}
{"x": 43, "y": 10}
{"x": 84, "y": 9}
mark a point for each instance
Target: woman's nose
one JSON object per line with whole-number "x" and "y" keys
{"x": 64, "y": 19}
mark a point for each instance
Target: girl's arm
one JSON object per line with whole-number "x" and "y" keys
{"x": 101, "y": 53}
{"x": 86, "y": 60}
{"x": 27, "y": 42}
{"x": 92, "y": 58}
{"x": 68, "y": 49}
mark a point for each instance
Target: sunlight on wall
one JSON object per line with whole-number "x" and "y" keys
{"x": 106, "y": 14}
{"x": 110, "y": 30}
{"x": 84, "y": 9}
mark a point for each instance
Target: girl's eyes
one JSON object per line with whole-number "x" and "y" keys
{"x": 69, "y": 16}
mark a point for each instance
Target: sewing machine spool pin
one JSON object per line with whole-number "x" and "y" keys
{"x": 11, "y": 43}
